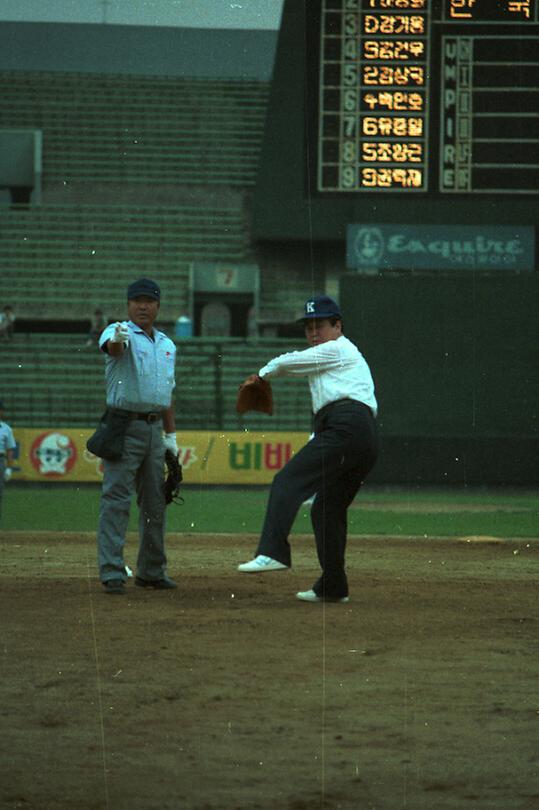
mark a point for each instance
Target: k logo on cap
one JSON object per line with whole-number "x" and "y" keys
{"x": 321, "y": 306}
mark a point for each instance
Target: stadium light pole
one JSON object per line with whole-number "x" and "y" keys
{"x": 105, "y": 4}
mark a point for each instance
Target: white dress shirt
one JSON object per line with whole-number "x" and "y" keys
{"x": 335, "y": 370}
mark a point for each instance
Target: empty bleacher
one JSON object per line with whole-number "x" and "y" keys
{"x": 138, "y": 129}
{"x": 59, "y": 262}
{"x": 141, "y": 176}
{"x": 128, "y": 165}
{"x": 284, "y": 289}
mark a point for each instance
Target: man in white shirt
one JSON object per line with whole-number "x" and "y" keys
{"x": 334, "y": 463}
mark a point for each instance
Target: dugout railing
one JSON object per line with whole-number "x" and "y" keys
{"x": 55, "y": 380}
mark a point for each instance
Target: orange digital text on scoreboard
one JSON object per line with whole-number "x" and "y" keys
{"x": 391, "y": 176}
{"x": 415, "y": 5}
{"x": 395, "y": 24}
{"x": 464, "y": 9}
{"x": 381, "y": 49}
{"x": 398, "y": 100}
{"x": 392, "y": 126}
{"x": 461, "y": 8}
{"x": 520, "y": 7}
{"x": 387, "y": 74}
{"x": 390, "y": 152}
{"x": 393, "y": 49}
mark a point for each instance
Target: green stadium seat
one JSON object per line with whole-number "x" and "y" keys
{"x": 61, "y": 383}
{"x": 139, "y": 130}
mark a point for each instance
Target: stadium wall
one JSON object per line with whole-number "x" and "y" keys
{"x": 455, "y": 366}
{"x": 130, "y": 49}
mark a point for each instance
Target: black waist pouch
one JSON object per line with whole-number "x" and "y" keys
{"x": 108, "y": 440}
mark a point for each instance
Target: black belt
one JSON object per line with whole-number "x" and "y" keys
{"x": 338, "y": 402}
{"x": 151, "y": 416}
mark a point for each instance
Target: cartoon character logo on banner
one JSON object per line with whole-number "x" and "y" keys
{"x": 97, "y": 462}
{"x": 53, "y": 454}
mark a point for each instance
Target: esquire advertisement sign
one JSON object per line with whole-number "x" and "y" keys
{"x": 370, "y": 248}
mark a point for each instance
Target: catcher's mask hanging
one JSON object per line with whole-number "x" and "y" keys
{"x": 174, "y": 477}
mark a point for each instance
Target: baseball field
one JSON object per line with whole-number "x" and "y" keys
{"x": 228, "y": 694}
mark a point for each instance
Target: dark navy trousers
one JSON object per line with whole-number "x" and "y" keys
{"x": 331, "y": 466}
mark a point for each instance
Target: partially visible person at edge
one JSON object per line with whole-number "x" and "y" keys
{"x": 97, "y": 325}
{"x": 335, "y": 462}
{"x": 7, "y": 446}
{"x": 7, "y": 323}
{"x": 139, "y": 376}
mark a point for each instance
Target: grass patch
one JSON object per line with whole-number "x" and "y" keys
{"x": 205, "y": 510}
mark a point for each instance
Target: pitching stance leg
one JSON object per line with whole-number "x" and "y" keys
{"x": 332, "y": 466}
{"x": 329, "y": 516}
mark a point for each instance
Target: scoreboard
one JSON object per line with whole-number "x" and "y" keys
{"x": 424, "y": 96}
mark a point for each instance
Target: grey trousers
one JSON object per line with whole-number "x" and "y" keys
{"x": 140, "y": 469}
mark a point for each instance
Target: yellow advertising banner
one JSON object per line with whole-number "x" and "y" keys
{"x": 240, "y": 457}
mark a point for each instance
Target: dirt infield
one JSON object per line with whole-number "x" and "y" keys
{"x": 421, "y": 693}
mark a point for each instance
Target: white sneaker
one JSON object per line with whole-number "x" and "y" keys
{"x": 310, "y": 596}
{"x": 261, "y": 563}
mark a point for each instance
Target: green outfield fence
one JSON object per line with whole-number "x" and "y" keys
{"x": 54, "y": 380}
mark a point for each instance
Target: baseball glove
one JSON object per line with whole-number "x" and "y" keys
{"x": 171, "y": 484}
{"x": 255, "y": 394}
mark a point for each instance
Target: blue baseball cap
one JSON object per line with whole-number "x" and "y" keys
{"x": 144, "y": 286}
{"x": 321, "y": 306}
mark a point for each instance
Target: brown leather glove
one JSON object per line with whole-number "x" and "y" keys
{"x": 255, "y": 394}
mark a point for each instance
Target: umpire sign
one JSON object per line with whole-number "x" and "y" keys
{"x": 370, "y": 248}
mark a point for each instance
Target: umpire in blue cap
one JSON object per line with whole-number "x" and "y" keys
{"x": 334, "y": 463}
{"x": 140, "y": 427}
{"x": 144, "y": 287}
